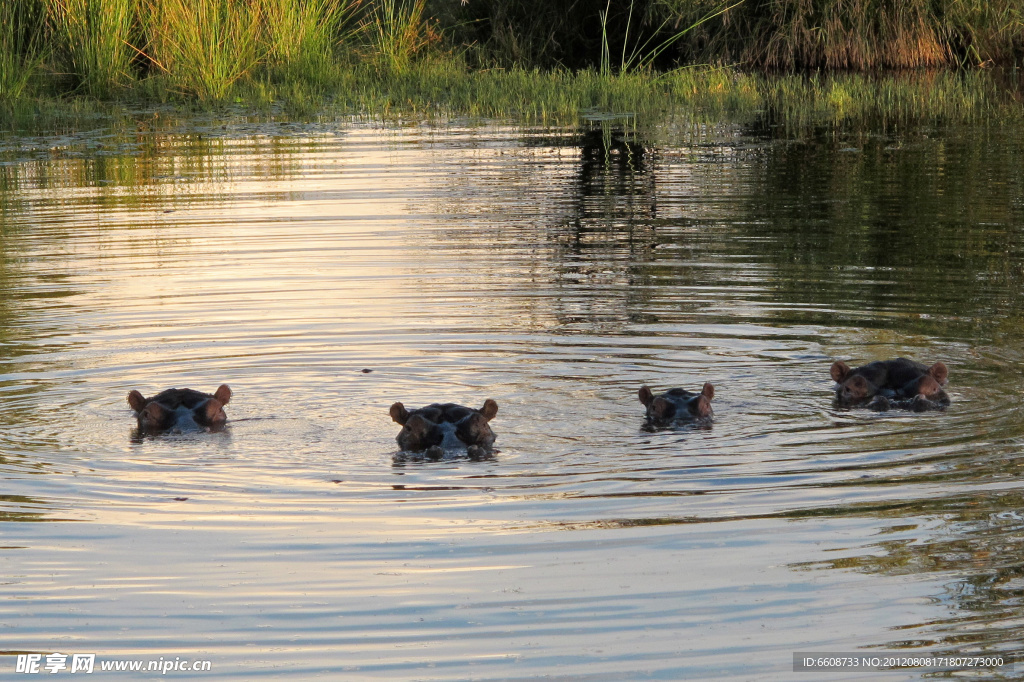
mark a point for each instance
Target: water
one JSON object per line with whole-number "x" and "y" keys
{"x": 555, "y": 271}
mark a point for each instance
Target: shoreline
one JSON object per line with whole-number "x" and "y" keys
{"x": 443, "y": 89}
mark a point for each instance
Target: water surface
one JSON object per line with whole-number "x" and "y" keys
{"x": 555, "y": 271}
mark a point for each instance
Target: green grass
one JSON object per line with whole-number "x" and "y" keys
{"x": 398, "y": 30}
{"x": 302, "y": 37}
{"x": 855, "y": 34}
{"x": 442, "y": 88}
{"x": 934, "y": 97}
{"x": 389, "y": 57}
{"x": 201, "y": 48}
{"x": 94, "y": 39}
{"x": 22, "y": 49}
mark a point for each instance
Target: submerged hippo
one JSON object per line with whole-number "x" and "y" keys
{"x": 180, "y": 407}
{"x": 446, "y": 426}
{"x": 885, "y": 384}
{"x": 678, "y": 404}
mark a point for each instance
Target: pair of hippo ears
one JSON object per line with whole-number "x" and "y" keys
{"x": 401, "y": 415}
{"x": 207, "y": 413}
{"x": 840, "y": 370}
{"x": 138, "y": 402}
{"x": 647, "y": 396}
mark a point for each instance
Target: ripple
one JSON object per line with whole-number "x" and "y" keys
{"x": 465, "y": 263}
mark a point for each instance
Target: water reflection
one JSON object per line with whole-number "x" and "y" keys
{"x": 968, "y": 540}
{"x": 556, "y": 271}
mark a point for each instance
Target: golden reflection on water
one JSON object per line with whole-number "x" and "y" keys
{"x": 556, "y": 272}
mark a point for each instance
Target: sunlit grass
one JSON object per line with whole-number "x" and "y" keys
{"x": 398, "y": 30}
{"x": 386, "y": 57}
{"x": 203, "y": 47}
{"x": 95, "y": 41}
{"x": 933, "y": 97}
{"x": 442, "y": 88}
{"x": 302, "y": 37}
{"x": 22, "y": 49}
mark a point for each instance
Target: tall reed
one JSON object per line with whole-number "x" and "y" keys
{"x": 94, "y": 39}
{"x": 854, "y": 34}
{"x": 301, "y": 36}
{"x": 639, "y": 52}
{"x": 22, "y": 47}
{"x": 203, "y": 47}
{"x": 398, "y": 30}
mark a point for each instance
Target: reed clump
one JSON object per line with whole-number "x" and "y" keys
{"x": 202, "y": 47}
{"x": 398, "y": 31}
{"x": 22, "y": 48}
{"x": 764, "y": 34}
{"x": 544, "y": 60}
{"x": 302, "y": 38}
{"x": 854, "y": 34}
{"x": 93, "y": 40}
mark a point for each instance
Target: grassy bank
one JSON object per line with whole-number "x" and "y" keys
{"x": 446, "y": 88}
{"x": 65, "y": 61}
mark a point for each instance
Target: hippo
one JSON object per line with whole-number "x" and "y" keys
{"x": 180, "y": 407}
{"x": 884, "y": 384}
{"x": 446, "y": 426}
{"x": 678, "y": 404}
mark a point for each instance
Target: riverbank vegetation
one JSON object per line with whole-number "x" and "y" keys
{"x": 782, "y": 61}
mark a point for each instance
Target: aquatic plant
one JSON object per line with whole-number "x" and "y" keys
{"x": 640, "y": 53}
{"x": 397, "y": 31}
{"x": 854, "y": 34}
{"x": 774, "y": 34}
{"x": 301, "y": 36}
{"x": 895, "y": 99}
{"x": 22, "y": 47}
{"x": 383, "y": 56}
{"x": 94, "y": 39}
{"x": 203, "y": 47}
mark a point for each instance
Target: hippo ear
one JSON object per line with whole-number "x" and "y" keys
{"x": 154, "y": 414}
{"x": 489, "y": 409}
{"x": 661, "y": 408}
{"x": 938, "y": 372}
{"x": 839, "y": 371}
{"x": 399, "y": 413}
{"x": 136, "y": 400}
{"x": 213, "y": 413}
{"x": 701, "y": 408}
{"x": 417, "y": 426}
{"x": 928, "y": 387}
{"x": 223, "y": 394}
{"x": 646, "y": 396}
{"x": 708, "y": 391}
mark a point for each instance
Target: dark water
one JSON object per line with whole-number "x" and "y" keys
{"x": 555, "y": 271}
